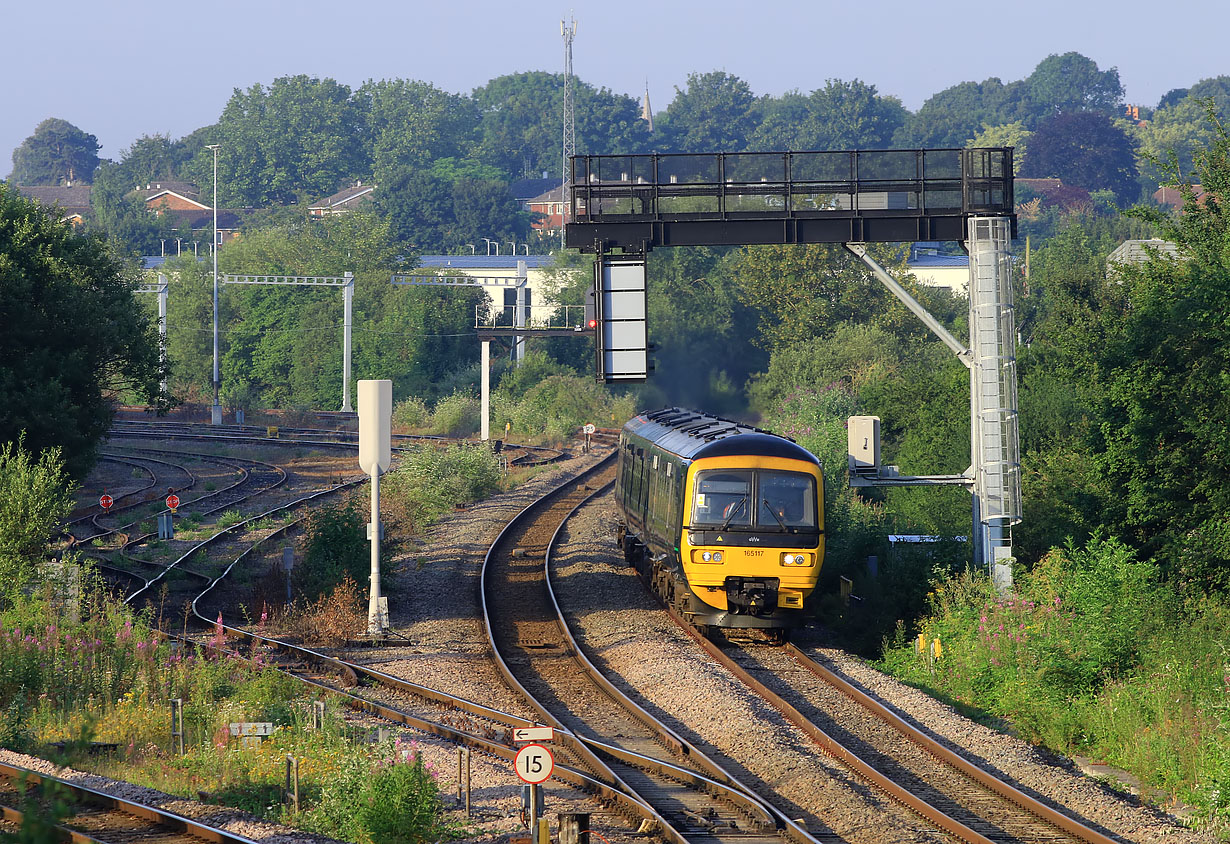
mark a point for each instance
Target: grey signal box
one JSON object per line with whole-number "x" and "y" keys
{"x": 863, "y": 444}
{"x": 621, "y": 335}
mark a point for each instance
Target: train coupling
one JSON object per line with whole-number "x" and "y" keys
{"x": 755, "y": 596}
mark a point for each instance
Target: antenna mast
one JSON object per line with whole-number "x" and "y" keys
{"x": 569, "y": 31}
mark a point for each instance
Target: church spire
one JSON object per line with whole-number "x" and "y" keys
{"x": 646, "y": 111}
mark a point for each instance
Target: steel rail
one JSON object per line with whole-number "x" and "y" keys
{"x": 152, "y": 814}
{"x": 834, "y": 748}
{"x": 721, "y": 786}
{"x": 950, "y": 757}
{"x": 718, "y": 775}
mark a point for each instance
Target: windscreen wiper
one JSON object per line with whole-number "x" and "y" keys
{"x": 769, "y": 506}
{"x": 742, "y": 503}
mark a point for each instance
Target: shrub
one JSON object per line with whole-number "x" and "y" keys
{"x": 456, "y": 415}
{"x": 411, "y": 412}
{"x": 335, "y": 548}
{"x": 435, "y": 480}
{"x": 35, "y": 494}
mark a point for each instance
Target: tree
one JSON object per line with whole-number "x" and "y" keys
{"x": 411, "y": 124}
{"x": 1005, "y": 135}
{"x": 150, "y": 158}
{"x": 521, "y": 119}
{"x": 1086, "y": 150}
{"x": 300, "y": 139}
{"x": 74, "y": 340}
{"x": 57, "y": 152}
{"x": 419, "y": 207}
{"x": 1179, "y": 128}
{"x": 35, "y": 495}
{"x": 1072, "y": 83}
{"x": 130, "y": 226}
{"x": 486, "y": 209}
{"x": 953, "y": 116}
{"x": 841, "y": 115}
{"x": 717, "y": 112}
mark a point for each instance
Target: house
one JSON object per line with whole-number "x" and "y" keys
{"x": 347, "y": 199}
{"x": 72, "y": 202}
{"x": 1138, "y": 252}
{"x": 1172, "y": 197}
{"x": 171, "y": 196}
{"x": 931, "y": 267}
{"x": 497, "y": 266}
{"x": 540, "y": 196}
{"x": 550, "y": 205}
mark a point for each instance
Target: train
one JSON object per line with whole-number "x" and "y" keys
{"x": 723, "y": 521}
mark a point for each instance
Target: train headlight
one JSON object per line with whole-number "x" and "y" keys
{"x": 791, "y": 559}
{"x": 706, "y": 556}
{"x": 717, "y": 556}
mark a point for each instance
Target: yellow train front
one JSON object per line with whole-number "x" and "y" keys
{"x": 724, "y": 521}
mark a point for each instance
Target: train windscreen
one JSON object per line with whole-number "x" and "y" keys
{"x": 756, "y": 499}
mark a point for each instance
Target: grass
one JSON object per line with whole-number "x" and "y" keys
{"x": 109, "y": 678}
{"x": 1091, "y": 655}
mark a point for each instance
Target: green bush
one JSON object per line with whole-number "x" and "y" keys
{"x": 411, "y": 412}
{"x": 559, "y": 405}
{"x": 335, "y": 547}
{"x": 435, "y": 480}
{"x": 35, "y": 494}
{"x": 455, "y": 415}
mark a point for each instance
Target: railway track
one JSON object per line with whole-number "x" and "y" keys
{"x": 517, "y": 454}
{"x": 691, "y": 797}
{"x": 95, "y": 816}
{"x": 903, "y": 762}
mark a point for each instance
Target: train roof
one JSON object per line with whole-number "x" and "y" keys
{"x": 693, "y": 435}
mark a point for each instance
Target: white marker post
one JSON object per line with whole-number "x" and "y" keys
{"x": 375, "y": 455}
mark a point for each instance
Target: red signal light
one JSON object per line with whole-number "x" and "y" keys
{"x": 593, "y": 323}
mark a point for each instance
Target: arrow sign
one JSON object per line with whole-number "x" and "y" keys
{"x": 534, "y": 734}
{"x": 106, "y": 501}
{"x": 172, "y": 502}
{"x": 534, "y": 764}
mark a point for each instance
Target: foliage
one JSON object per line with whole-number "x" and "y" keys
{"x": 1072, "y": 83}
{"x": 292, "y": 141}
{"x": 716, "y": 112}
{"x": 455, "y": 415}
{"x": 802, "y": 291}
{"x": 392, "y": 797}
{"x": 951, "y": 117}
{"x": 57, "y": 153}
{"x": 125, "y": 220}
{"x": 410, "y": 412}
{"x": 335, "y": 549}
{"x": 433, "y": 480}
{"x": 73, "y": 338}
{"x": 1088, "y": 656}
{"x": 1005, "y": 135}
{"x": 521, "y": 128}
{"x": 411, "y": 124}
{"x": 35, "y": 494}
{"x": 558, "y": 405}
{"x": 841, "y": 115}
{"x": 1084, "y": 149}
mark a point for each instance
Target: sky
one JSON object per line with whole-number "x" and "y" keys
{"x": 122, "y": 69}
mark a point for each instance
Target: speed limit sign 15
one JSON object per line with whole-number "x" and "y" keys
{"x": 534, "y": 764}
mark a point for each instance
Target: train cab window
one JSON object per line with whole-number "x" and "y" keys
{"x": 786, "y": 500}
{"x": 723, "y": 498}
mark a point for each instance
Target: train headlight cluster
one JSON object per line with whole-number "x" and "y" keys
{"x": 711, "y": 556}
{"x": 792, "y": 559}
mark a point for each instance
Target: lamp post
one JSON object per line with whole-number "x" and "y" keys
{"x": 216, "y": 410}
